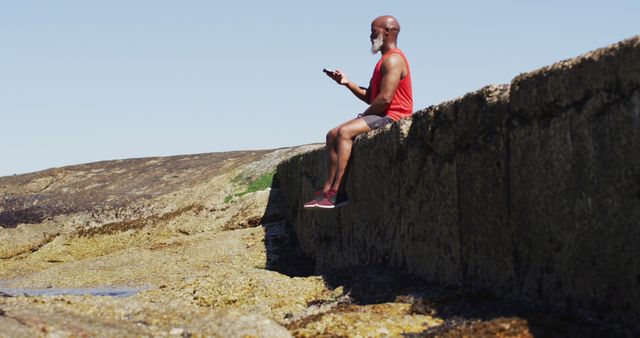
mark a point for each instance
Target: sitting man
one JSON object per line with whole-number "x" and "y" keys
{"x": 389, "y": 97}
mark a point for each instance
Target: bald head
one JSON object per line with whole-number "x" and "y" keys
{"x": 387, "y": 22}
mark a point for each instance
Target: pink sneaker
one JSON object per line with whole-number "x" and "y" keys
{"x": 317, "y": 197}
{"x": 330, "y": 201}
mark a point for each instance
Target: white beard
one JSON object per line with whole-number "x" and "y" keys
{"x": 376, "y": 44}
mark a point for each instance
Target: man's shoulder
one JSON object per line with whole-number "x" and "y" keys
{"x": 393, "y": 60}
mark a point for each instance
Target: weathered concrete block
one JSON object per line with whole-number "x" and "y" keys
{"x": 427, "y": 214}
{"x": 373, "y": 190}
{"x": 479, "y": 113}
{"x": 574, "y": 184}
{"x": 440, "y": 118}
{"x": 541, "y": 197}
{"x": 299, "y": 177}
{"x": 487, "y": 242}
{"x": 482, "y": 182}
{"x": 549, "y": 90}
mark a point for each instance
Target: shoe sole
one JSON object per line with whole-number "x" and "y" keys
{"x": 342, "y": 204}
{"x": 326, "y": 206}
{"x": 311, "y": 206}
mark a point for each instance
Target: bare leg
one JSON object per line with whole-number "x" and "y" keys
{"x": 332, "y": 154}
{"x": 345, "y": 135}
{"x": 332, "y": 158}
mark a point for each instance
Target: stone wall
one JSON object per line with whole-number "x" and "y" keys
{"x": 530, "y": 190}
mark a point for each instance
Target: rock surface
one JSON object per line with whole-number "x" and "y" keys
{"x": 161, "y": 225}
{"x": 81, "y": 316}
{"x": 530, "y": 190}
{"x": 201, "y": 251}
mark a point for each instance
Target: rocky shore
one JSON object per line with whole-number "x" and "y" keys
{"x": 164, "y": 226}
{"x": 195, "y": 239}
{"x": 196, "y": 246}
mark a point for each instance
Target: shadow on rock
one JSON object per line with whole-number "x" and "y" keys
{"x": 283, "y": 252}
{"x": 465, "y": 312}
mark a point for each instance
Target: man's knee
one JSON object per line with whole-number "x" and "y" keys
{"x": 332, "y": 135}
{"x": 343, "y": 133}
{"x": 348, "y": 133}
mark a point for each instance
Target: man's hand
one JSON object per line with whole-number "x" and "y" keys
{"x": 337, "y": 76}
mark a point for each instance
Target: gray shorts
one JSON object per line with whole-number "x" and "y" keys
{"x": 376, "y": 121}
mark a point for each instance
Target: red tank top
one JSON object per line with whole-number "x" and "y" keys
{"x": 402, "y": 102}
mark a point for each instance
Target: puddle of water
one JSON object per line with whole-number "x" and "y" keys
{"x": 97, "y": 291}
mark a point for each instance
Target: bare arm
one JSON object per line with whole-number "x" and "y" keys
{"x": 393, "y": 69}
{"x": 360, "y": 92}
{"x": 338, "y": 76}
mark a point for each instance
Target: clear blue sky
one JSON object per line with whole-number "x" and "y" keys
{"x": 83, "y": 81}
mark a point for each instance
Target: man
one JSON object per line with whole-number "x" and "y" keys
{"x": 389, "y": 96}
